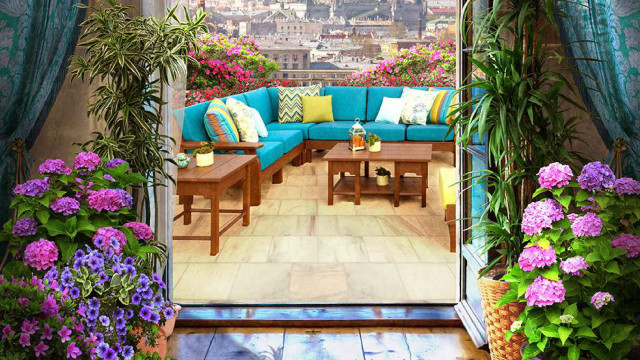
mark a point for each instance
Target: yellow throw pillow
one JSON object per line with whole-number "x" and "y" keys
{"x": 317, "y": 109}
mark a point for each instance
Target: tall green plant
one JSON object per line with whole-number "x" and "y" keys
{"x": 133, "y": 58}
{"x": 519, "y": 108}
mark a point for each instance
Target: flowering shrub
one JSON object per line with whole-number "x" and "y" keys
{"x": 579, "y": 272}
{"x": 38, "y": 321}
{"x": 196, "y": 96}
{"x": 119, "y": 305}
{"x": 421, "y": 65}
{"x": 69, "y": 207}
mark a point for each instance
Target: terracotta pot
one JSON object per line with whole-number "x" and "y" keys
{"x": 161, "y": 344}
{"x": 499, "y": 320}
{"x": 171, "y": 323}
{"x": 382, "y": 180}
{"x": 204, "y": 159}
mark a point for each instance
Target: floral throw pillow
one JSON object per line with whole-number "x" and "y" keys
{"x": 417, "y": 105}
{"x": 243, "y": 117}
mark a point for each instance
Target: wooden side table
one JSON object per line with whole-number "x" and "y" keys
{"x": 212, "y": 181}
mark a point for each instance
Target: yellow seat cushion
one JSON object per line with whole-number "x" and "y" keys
{"x": 446, "y": 179}
{"x": 317, "y": 109}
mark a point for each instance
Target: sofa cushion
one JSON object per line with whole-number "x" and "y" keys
{"x": 244, "y": 116}
{"x": 288, "y": 138}
{"x": 219, "y": 123}
{"x": 193, "y": 125}
{"x": 348, "y": 103}
{"x": 303, "y": 128}
{"x": 387, "y": 131}
{"x": 375, "y": 94}
{"x": 269, "y": 153}
{"x": 273, "y": 98}
{"x": 430, "y": 132}
{"x": 290, "y": 102}
{"x": 442, "y": 105}
{"x": 239, "y": 97}
{"x": 390, "y": 110}
{"x": 337, "y": 130}
{"x": 259, "y": 99}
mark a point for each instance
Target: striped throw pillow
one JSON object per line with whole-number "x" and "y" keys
{"x": 442, "y": 106}
{"x": 290, "y": 102}
{"x": 219, "y": 123}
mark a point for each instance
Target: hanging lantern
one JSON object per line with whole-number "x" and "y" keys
{"x": 357, "y": 137}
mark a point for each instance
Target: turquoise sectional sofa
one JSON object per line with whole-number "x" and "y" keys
{"x": 293, "y": 142}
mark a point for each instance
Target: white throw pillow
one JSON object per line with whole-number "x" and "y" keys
{"x": 261, "y": 128}
{"x": 417, "y": 106}
{"x": 244, "y": 119}
{"x": 390, "y": 110}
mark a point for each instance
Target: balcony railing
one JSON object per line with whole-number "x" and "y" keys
{"x": 310, "y": 77}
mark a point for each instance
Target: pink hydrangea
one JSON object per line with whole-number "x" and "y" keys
{"x": 545, "y": 292}
{"x": 574, "y": 265}
{"x": 140, "y": 230}
{"x": 65, "y": 205}
{"x": 54, "y": 166}
{"x": 87, "y": 160}
{"x": 629, "y": 242}
{"x": 536, "y": 257}
{"x": 588, "y": 225}
{"x": 554, "y": 175}
{"x": 626, "y": 186}
{"x": 108, "y": 237}
{"x": 108, "y": 199}
{"x": 601, "y": 298}
{"x": 540, "y": 215}
{"x": 41, "y": 254}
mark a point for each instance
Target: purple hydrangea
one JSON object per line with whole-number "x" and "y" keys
{"x": 629, "y": 242}
{"x": 54, "y": 166}
{"x": 65, "y": 205}
{"x": 540, "y": 215}
{"x": 35, "y": 187}
{"x": 87, "y": 160}
{"x": 574, "y": 265}
{"x": 596, "y": 176}
{"x": 536, "y": 257}
{"x": 626, "y": 186}
{"x": 545, "y": 292}
{"x": 113, "y": 163}
{"x": 140, "y": 230}
{"x": 588, "y": 225}
{"x": 109, "y": 200}
{"x": 41, "y": 254}
{"x": 601, "y": 298}
{"x": 554, "y": 175}
{"x": 108, "y": 237}
{"x": 25, "y": 227}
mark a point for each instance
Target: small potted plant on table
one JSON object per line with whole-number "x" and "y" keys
{"x": 382, "y": 176}
{"x": 204, "y": 154}
{"x": 375, "y": 142}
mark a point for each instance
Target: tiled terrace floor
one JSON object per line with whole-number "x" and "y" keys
{"x": 299, "y": 249}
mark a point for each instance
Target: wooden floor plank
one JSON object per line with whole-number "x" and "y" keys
{"x": 190, "y": 343}
{"x": 384, "y": 344}
{"x": 247, "y": 344}
{"x": 322, "y": 344}
{"x": 442, "y": 344}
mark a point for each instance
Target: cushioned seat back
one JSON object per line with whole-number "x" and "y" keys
{"x": 375, "y": 94}
{"x": 239, "y": 97}
{"x": 273, "y": 97}
{"x": 259, "y": 99}
{"x": 348, "y": 103}
{"x": 193, "y": 126}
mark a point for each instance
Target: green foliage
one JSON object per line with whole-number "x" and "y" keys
{"x": 521, "y": 90}
{"x": 382, "y": 171}
{"x": 205, "y": 148}
{"x": 132, "y": 59}
{"x": 373, "y": 138}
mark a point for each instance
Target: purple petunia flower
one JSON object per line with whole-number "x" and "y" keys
{"x": 65, "y": 205}
{"x": 127, "y": 352}
{"x": 554, "y": 175}
{"x": 31, "y": 188}
{"x": 629, "y": 242}
{"x": 92, "y": 314}
{"x": 574, "y": 265}
{"x": 168, "y": 312}
{"x": 25, "y": 227}
{"x": 601, "y": 298}
{"x": 136, "y": 298}
{"x": 626, "y": 186}
{"x": 154, "y": 317}
{"x": 588, "y": 225}
{"x": 140, "y": 230}
{"x": 540, "y": 215}
{"x": 536, "y": 257}
{"x": 108, "y": 237}
{"x": 87, "y": 160}
{"x": 128, "y": 314}
{"x": 54, "y": 166}
{"x": 545, "y": 292}
{"x": 41, "y": 254}
{"x": 596, "y": 176}
{"x": 104, "y": 320}
{"x": 145, "y": 313}
{"x": 115, "y": 162}
{"x": 74, "y": 293}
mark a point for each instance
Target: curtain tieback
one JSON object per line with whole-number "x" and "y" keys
{"x": 619, "y": 147}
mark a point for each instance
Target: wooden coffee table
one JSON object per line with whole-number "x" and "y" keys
{"x": 407, "y": 158}
{"x": 212, "y": 181}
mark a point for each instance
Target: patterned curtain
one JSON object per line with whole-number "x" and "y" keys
{"x": 608, "y": 30}
{"x": 36, "y": 39}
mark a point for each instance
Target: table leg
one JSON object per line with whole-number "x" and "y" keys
{"x": 357, "y": 202}
{"x": 187, "y": 201}
{"x": 396, "y": 187}
{"x": 215, "y": 221}
{"x": 246, "y": 197}
{"x": 366, "y": 169}
{"x": 330, "y": 184}
{"x": 425, "y": 178}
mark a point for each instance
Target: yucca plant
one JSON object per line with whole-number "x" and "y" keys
{"x": 132, "y": 59}
{"x": 519, "y": 109}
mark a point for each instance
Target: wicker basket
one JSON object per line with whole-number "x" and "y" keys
{"x": 499, "y": 320}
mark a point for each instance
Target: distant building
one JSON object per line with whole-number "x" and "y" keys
{"x": 289, "y": 56}
{"x": 295, "y": 27}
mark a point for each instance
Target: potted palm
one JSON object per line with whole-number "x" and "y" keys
{"x": 382, "y": 176}
{"x": 375, "y": 143}
{"x": 204, "y": 154}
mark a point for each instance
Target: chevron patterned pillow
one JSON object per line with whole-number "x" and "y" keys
{"x": 290, "y": 102}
